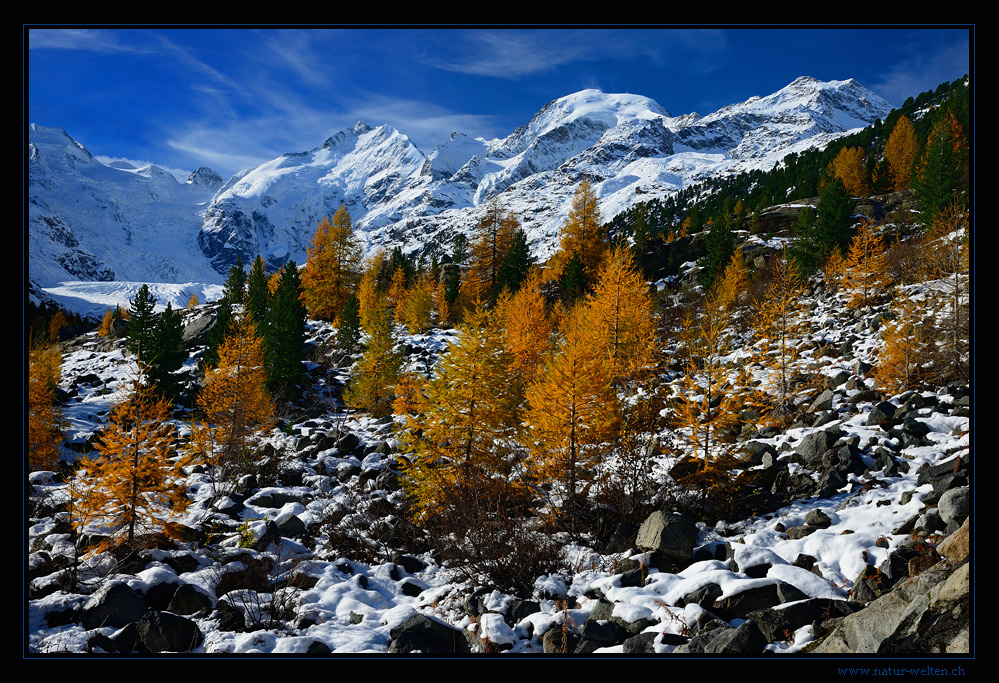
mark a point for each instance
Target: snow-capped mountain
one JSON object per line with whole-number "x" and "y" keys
{"x": 85, "y": 217}
{"x": 628, "y": 146}
{"x": 92, "y": 221}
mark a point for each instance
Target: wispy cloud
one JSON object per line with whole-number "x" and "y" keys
{"x": 512, "y": 54}
{"x": 90, "y": 40}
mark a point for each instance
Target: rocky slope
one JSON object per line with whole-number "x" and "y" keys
{"x": 842, "y": 551}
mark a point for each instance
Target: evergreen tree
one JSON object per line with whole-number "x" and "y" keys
{"x": 459, "y": 250}
{"x": 720, "y": 244}
{"x": 218, "y": 332}
{"x": 941, "y": 171}
{"x": 835, "y": 206}
{"x": 166, "y": 353}
{"x": 141, "y": 323}
{"x": 285, "y": 333}
{"x": 517, "y": 263}
{"x": 257, "y": 294}
{"x": 349, "y": 334}
{"x": 235, "y": 283}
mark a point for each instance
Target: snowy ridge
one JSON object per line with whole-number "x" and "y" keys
{"x": 629, "y": 147}
{"x": 95, "y": 222}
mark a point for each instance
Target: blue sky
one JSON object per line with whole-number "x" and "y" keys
{"x": 233, "y": 98}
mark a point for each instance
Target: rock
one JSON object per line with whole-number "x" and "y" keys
{"x": 167, "y": 632}
{"x": 818, "y": 519}
{"x": 893, "y": 620}
{"x": 954, "y": 506}
{"x": 114, "y": 604}
{"x": 188, "y": 600}
{"x": 746, "y": 639}
{"x": 426, "y": 635}
{"x": 957, "y": 546}
{"x": 672, "y": 536}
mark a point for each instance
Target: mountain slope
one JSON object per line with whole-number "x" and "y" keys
{"x": 628, "y": 146}
{"x": 91, "y": 221}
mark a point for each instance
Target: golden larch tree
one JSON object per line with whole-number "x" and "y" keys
{"x": 529, "y": 330}
{"x": 376, "y": 375}
{"x": 44, "y": 418}
{"x": 867, "y": 276}
{"x": 907, "y": 344}
{"x": 333, "y": 269}
{"x": 709, "y": 401}
{"x": 582, "y": 235}
{"x": 778, "y": 326}
{"x": 572, "y": 418}
{"x": 135, "y": 485}
{"x": 733, "y": 285}
{"x": 493, "y": 239}
{"x": 464, "y": 431}
{"x": 234, "y": 402}
{"x": 849, "y": 167}
{"x": 900, "y": 152}
{"x": 623, "y": 318}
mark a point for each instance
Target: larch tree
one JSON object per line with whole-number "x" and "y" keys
{"x": 372, "y": 387}
{"x": 43, "y": 414}
{"x": 733, "y": 286}
{"x": 234, "y": 403}
{"x": 900, "y": 152}
{"x": 333, "y": 270}
{"x": 582, "y": 237}
{"x": 464, "y": 431}
{"x": 572, "y": 417}
{"x": 708, "y": 404}
{"x": 418, "y": 306}
{"x": 493, "y": 241}
{"x": 778, "y": 325}
{"x": 135, "y": 485}
{"x": 622, "y": 315}
{"x": 907, "y": 344}
{"x": 529, "y": 330}
{"x": 866, "y": 275}
{"x": 849, "y": 167}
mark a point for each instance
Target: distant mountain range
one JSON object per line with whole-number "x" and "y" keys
{"x": 90, "y": 221}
